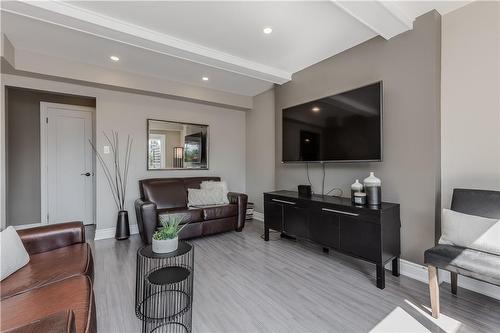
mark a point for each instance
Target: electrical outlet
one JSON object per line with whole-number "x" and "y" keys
{"x": 106, "y": 150}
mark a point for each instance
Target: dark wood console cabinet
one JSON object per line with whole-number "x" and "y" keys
{"x": 371, "y": 234}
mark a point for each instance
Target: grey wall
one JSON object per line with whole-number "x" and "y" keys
{"x": 470, "y": 108}
{"x": 409, "y": 65}
{"x": 127, "y": 114}
{"x": 23, "y": 150}
{"x": 260, "y": 148}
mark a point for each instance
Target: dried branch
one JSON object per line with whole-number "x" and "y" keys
{"x": 117, "y": 178}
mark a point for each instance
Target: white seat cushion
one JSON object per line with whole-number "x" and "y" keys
{"x": 210, "y": 184}
{"x": 203, "y": 197}
{"x": 13, "y": 253}
{"x": 470, "y": 231}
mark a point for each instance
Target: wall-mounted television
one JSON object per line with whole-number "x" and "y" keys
{"x": 345, "y": 127}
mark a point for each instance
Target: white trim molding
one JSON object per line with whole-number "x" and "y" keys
{"x": 383, "y": 18}
{"x": 258, "y": 216}
{"x": 73, "y": 17}
{"x": 109, "y": 233}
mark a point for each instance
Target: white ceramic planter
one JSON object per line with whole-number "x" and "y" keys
{"x": 165, "y": 246}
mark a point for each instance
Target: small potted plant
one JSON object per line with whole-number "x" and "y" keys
{"x": 166, "y": 239}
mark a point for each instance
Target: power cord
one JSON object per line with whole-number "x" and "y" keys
{"x": 323, "y": 181}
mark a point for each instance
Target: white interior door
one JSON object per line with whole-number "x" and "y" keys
{"x": 67, "y": 163}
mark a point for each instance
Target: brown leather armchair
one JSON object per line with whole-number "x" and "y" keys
{"x": 168, "y": 196}
{"x": 57, "y": 278}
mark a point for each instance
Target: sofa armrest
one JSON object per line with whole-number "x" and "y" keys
{"x": 51, "y": 237}
{"x": 145, "y": 212}
{"x": 59, "y": 322}
{"x": 241, "y": 200}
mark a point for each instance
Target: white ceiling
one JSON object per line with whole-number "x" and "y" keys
{"x": 183, "y": 41}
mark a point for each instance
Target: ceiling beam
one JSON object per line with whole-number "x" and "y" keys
{"x": 383, "y": 17}
{"x": 67, "y": 15}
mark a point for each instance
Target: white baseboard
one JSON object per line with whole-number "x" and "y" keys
{"x": 419, "y": 272}
{"x": 110, "y": 232}
{"x": 258, "y": 216}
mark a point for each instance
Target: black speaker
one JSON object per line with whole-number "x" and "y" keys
{"x": 305, "y": 191}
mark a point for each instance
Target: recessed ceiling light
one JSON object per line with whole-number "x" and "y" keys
{"x": 205, "y": 78}
{"x": 114, "y": 58}
{"x": 315, "y": 109}
{"x": 267, "y": 30}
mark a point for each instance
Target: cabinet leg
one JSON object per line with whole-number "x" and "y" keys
{"x": 454, "y": 282}
{"x": 326, "y": 250}
{"x": 380, "y": 276}
{"x": 395, "y": 266}
{"x": 266, "y": 234}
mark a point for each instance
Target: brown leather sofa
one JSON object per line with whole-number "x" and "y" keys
{"x": 55, "y": 287}
{"x": 168, "y": 196}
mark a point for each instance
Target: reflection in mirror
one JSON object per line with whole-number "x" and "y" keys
{"x": 173, "y": 145}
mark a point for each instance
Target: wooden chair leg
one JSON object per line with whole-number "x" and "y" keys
{"x": 434, "y": 290}
{"x": 454, "y": 282}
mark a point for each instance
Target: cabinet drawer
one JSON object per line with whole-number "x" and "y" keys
{"x": 273, "y": 213}
{"x": 296, "y": 221}
{"x": 324, "y": 228}
{"x": 361, "y": 238}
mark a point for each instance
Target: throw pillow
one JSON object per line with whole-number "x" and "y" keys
{"x": 204, "y": 197}
{"x": 474, "y": 232}
{"x": 14, "y": 255}
{"x": 210, "y": 184}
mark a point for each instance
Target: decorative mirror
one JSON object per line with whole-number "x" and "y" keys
{"x": 174, "y": 145}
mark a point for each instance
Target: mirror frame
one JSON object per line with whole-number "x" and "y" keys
{"x": 177, "y": 122}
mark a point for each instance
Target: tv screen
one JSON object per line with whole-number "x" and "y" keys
{"x": 345, "y": 127}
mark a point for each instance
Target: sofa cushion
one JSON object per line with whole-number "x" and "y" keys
{"x": 60, "y": 322}
{"x": 188, "y": 214}
{"x": 74, "y": 294}
{"x": 219, "y": 211}
{"x": 470, "y": 231}
{"x": 165, "y": 193}
{"x": 211, "y": 227}
{"x": 11, "y": 243}
{"x": 200, "y": 197}
{"x": 475, "y": 264}
{"x": 210, "y": 184}
{"x": 195, "y": 182}
{"x": 50, "y": 266}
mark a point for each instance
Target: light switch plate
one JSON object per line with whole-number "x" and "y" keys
{"x": 106, "y": 150}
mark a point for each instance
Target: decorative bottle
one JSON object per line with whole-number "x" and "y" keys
{"x": 373, "y": 189}
{"x": 356, "y": 187}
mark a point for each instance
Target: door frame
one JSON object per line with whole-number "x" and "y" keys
{"x": 44, "y": 106}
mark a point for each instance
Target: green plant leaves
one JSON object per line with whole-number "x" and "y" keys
{"x": 171, "y": 226}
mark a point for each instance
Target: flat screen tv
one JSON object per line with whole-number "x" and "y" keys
{"x": 345, "y": 127}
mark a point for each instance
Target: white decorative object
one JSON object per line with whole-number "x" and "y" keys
{"x": 372, "y": 180}
{"x": 474, "y": 232}
{"x": 210, "y": 184}
{"x": 204, "y": 197}
{"x": 373, "y": 189}
{"x": 165, "y": 245}
{"x": 357, "y": 186}
{"x": 14, "y": 255}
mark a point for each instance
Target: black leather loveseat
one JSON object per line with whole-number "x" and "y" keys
{"x": 168, "y": 196}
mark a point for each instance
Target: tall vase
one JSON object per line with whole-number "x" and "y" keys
{"x": 122, "y": 226}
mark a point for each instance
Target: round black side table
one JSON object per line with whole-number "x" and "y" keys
{"x": 164, "y": 289}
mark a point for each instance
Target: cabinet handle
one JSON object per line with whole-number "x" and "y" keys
{"x": 339, "y": 211}
{"x": 283, "y": 201}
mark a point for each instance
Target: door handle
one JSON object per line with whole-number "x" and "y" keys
{"x": 338, "y": 212}
{"x": 284, "y": 201}
{"x": 87, "y": 174}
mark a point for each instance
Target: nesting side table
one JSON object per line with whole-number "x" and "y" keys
{"x": 164, "y": 289}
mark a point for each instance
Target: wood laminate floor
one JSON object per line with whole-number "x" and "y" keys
{"x": 243, "y": 284}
